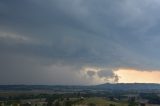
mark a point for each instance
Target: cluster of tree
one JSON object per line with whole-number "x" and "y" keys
{"x": 50, "y": 99}
{"x": 23, "y": 96}
{"x": 61, "y": 100}
{"x": 132, "y": 102}
{"x": 152, "y": 97}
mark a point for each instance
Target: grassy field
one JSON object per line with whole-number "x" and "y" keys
{"x": 101, "y": 102}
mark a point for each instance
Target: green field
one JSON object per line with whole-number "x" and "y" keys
{"x": 101, "y": 102}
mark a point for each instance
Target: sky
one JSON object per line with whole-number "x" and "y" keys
{"x": 79, "y": 42}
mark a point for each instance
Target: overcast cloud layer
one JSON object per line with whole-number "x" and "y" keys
{"x": 76, "y": 41}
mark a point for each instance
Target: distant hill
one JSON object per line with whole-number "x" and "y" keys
{"x": 129, "y": 86}
{"x": 107, "y": 86}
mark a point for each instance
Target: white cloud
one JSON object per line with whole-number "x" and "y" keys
{"x": 15, "y": 38}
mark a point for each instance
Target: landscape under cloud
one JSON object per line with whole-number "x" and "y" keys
{"x": 79, "y": 42}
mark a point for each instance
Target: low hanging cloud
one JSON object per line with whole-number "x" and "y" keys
{"x": 108, "y": 75}
{"x": 105, "y": 73}
{"x": 91, "y": 73}
{"x": 73, "y": 34}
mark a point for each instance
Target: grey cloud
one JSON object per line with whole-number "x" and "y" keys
{"x": 91, "y": 73}
{"x": 108, "y": 75}
{"x": 105, "y": 73}
{"x": 34, "y": 70}
{"x": 77, "y": 33}
{"x": 116, "y": 78}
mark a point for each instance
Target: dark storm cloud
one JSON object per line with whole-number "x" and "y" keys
{"x": 74, "y": 34}
{"x": 91, "y": 73}
{"x": 108, "y": 75}
{"x": 105, "y": 73}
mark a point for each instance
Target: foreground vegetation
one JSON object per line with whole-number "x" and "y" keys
{"x": 79, "y": 96}
{"x": 98, "y": 101}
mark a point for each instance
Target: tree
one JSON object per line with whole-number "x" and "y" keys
{"x": 112, "y": 105}
{"x": 57, "y": 103}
